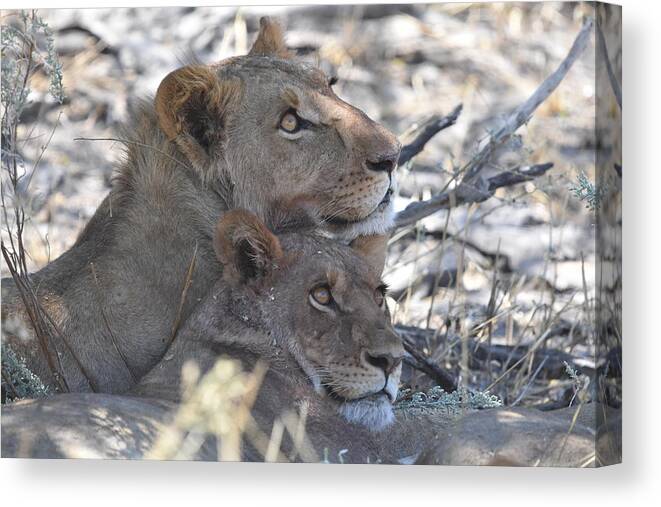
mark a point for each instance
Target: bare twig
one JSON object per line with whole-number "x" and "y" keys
{"x": 15, "y": 254}
{"x": 135, "y": 143}
{"x": 471, "y": 188}
{"x": 615, "y": 85}
{"x": 498, "y": 260}
{"x": 422, "y": 363}
{"x": 531, "y": 350}
{"x": 552, "y": 360}
{"x": 35, "y": 312}
{"x": 184, "y": 293}
{"x": 524, "y": 112}
{"x": 42, "y": 151}
{"x": 530, "y": 382}
{"x": 430, "y": 128}
{"x": 468, "y": 193}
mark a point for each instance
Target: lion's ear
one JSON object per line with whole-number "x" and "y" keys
{"x": 373, "y": 249}
{"x": 245, "y": 247}
{"x": 192, "y": 106}
{"x": 270, "y": 40}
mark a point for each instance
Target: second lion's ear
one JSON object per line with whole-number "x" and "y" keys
{"x": 245, "y": 247}
{"x": 373, "y": 249}
{"x": 192, "y": 105}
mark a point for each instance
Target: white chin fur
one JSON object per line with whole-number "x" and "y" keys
{"x": 375, "y": 415}
{"x": 377, "y": 223}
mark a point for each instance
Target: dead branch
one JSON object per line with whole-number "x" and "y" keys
{"x": 35, "y": 314}
{"x": 468, "y": 193}
{"x": 522, "y": 114}
{"x": 497, "y": 259}
{"x": 615, "y": 85}
{"x": 182, "y": 300}
{"x": 550, "y": 361}
{"x": 134, "y": 143}
{"x": 419, "y": 361}
{"x": 471, "y": 188}
{"x": 428, "y": 130}
{"x": 15, "y": 255}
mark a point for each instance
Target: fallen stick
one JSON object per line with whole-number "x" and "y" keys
{"x": 471, "y": 189}
{"x": 430, "y": 128}
{"x": 498, "y": 259}
{"x": 522, "y": 114}
{"x": 615, "y": 85}
{"x": 433, "y": 371}
{"x": 552, "y": 360}
{"x": 468, "y": 193}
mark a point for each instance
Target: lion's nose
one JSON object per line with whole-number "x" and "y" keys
{"x": 385, "y": 163}
{"x": 386, "y": 362}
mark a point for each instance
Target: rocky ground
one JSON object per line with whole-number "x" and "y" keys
{"x": 516, "y": 269}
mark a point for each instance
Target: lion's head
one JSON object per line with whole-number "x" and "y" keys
{"x": 270, "y": 129}
{"x": 322, "y": 302}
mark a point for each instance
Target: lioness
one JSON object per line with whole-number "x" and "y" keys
{"x": 313, "y": 311}
{"x": 252, "y": 132}
{"x": 311, "y": 308}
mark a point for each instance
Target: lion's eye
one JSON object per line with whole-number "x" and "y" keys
{"x": 290, "y": 122}
{"x": 322, "y": 295}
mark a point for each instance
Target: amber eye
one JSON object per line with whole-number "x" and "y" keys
{"x": 290, "y": 122}
{"x": 321, "y": 295}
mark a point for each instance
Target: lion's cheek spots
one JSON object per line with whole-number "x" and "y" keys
{"x": 351, "y": 381}
{"x": 359, "y": 202}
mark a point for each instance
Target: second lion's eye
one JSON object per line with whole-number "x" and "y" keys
{"x": 290, "y": 122}
{"x": 321, "y": 295}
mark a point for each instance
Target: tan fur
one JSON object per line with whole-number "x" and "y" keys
{"x": 210, "y": 142}
{"x": 314, "y": 357}
{"x": 374, "y": 249}
{"x": 236, "y": 228}
{"x": 293, "y": 338}
{"x": 270, "y": 40}
{"x": 180, "y": 88}
{"x": 175, "y": 90}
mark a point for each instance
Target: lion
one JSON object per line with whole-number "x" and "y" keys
{"x": 310, "y": 308}
{"x": 250, "y": 132}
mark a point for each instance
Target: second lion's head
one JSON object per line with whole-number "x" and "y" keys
{"x": 324, "y": 303}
